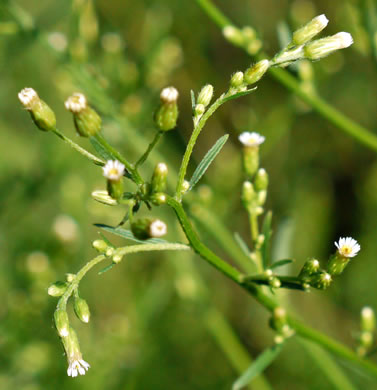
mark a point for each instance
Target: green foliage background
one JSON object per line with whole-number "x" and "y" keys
{"x": 169, "y": 321}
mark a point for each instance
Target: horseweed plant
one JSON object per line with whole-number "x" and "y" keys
{"x": 147, "y": 232}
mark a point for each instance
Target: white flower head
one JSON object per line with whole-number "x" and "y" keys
{"x": 169, "y": 95}
{"x": 367, "y": 312}
{"x": 157, "y": 228}
{"x": 27, "y": 96}
{"x": 113, "y": 170}
{"x": 76, "y": 103}
{"x": 347, "y": 247}
{"x": 251, "y": 139}
{"x": 345, "y": 39}
{"x": 77, "y": 367}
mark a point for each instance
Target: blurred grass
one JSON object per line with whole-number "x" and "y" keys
{"x": 148, "y": 329}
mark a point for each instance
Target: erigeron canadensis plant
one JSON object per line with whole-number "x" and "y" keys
{"x": 151, "y": 192}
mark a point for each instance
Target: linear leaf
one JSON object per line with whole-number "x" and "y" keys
{"x": 280, "y": 263}
{"x": 242, "y": 244}
{"x": 258, "y": 366}
{"x": 207, "y": 160}
{"x": 127, "y": 234}
{"x": 239, "y": 94}
{"x": 266, "y": 229}
{"x": 108, "y": 268}
{"x": 106, "y": 155}
{"x": 193, "y": 103}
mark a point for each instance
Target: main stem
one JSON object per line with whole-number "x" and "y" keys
{"x": 268, "y": 302}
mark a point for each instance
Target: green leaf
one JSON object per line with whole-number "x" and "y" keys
{"x": 266, "y": 230}
{"x": 280, "y": 263}
{"x": 127, "y": 234}
{"x": 258, "y": 366}
{"x": 242, "y": 244}
{"x": 239, "y": 94}
{"x": 207, "y": 160}
{"x": 106, "y": 155}
{"x": 193, "y": 103}
{"x": 108, "y": 268}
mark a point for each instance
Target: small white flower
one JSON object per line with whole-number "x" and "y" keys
{"x": 113, "y": 170}
{"x": 26, "y": 96}
{"x": 169, "y": 95}
{"x": 345, "y": 39}
{"x": 76, "y": 367}
{"x": 158, "y": 228}
{"x": 76, "y": 103}
{"x": 251, "y": 139}
{"x": 347, "y": 247}
{"x": 367, "y": 312}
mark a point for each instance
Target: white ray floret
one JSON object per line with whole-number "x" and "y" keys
{"x": 113, "y": 170}
{"x": 76, "y": 103}
{"x": 347, "y": 247}
{"x": 251, "y": 139}
{"x": 77, "y": 367}
{"x": 158, "y": 228}
{"x": 169, "y": 95}
{"x": 26, "y": 96}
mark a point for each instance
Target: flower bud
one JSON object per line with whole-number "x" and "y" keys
{"x": 199, "y": 110}
{"x": 70, "y": 277}
{"x": 237, "y": 80}
{"x": 158, "y": 198}
{"x": 104, "y": 197}
{"x": 256, "y": 72}
{"x": 158, "y": 183}
{"x": 57, "y": 289}
{"x": 42, "y": 115}
{"x": 145, "y": 228}
{"x": 321, "y": 280}
{"x": 81, "y": 309}
{"x": 261, "y": 180}
{"x": 262, "y": 196}
{"x": 234, "y": 35}
{"x": 205, "y": 95}
{"x": 61, "y": 322}
{"x": 310, "y": 30}
{"x": 87, "y": 122}
{"x": 368, "y": 319}
{"x": 167, "y": 114}
{"x": 288, "y": 56}
{"x": 325, "y": 46}
{"x": 100, "y": 246}
{"x": 251, "y": 142}
{"x": 310, "y": 267}
{"x": 274, "y": 282}
{"x": 347, "y": 248}
{"x": 248, "y": 195}
{"x": 114, "y": 171}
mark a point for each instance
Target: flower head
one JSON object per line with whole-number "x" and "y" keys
{"x": 76, "y": 103}
{"x": 251, "y": 139}
{"x": 26, "y": 97}
{"x": 77, "y": 367}
{"x": 169, "y": 95}
{"x": 113, "y": 170}
{"x": 157, "y": 228}
{"x": 347, "y": 247}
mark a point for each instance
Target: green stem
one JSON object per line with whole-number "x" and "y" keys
{"x": 129, "y": 167}
{"x": 347, "y": 125}
{"x": 253, "y": 219}
{"x": 268, "y": 302}
{"x": 78, "y": 148}
{"x": 150, "y": 148}
{"x": 190, "y": 146}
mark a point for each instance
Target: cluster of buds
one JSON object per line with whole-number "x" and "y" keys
{"x": 368, "y": 327}
{"x": 311, "y": 274}
{"x": 245, "y": 38}
{"x": 167, "y": 114}
{"x": 279, "y": 323}
{"x": 302, "y": 45}
{"x": 203, "y": 100}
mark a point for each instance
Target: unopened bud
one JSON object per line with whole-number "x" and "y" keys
{"x": 248, "y": 195}
{"x": 199, "y": 110}
{"x": 234, "y": 35}
{"x": 261, "y": 180}
{"x": 148, "y": 228}
{"x": 57, "y": 289}
{"x": 310, "y": 30}
{"x": 104, "y": 197}
{"x": 158, "y": 198}
{"x": 87, "y": 122}
{"x": 70, "y": 277}
{"x": 310, "y": 267}
{"x": 368, "y": 319}
{"x": 274, "y": 282}
{"x": 158, "y": 182}
{"x": 321, "y": 280}
{"x": 117, "y": 258}
{"x": 167, "y": 114}
{"x": 279, "y": 319}
{"x": 81, "y": 309}
{"x": 205, "y": 95}
{"x": 100, "y": 245}
{"x": 42, "y": 115}
{"x": 256, "y": 72}
{"x": 61, "y": 322}
{"x": 251, "y": 142}
{"x": 237, "y": 80}
{"x": 325, "y": 46}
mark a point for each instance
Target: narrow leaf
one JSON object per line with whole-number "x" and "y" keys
{"x": 106, "y": 155}
{"x": 242, "y": 244}
{"x": 258, "y": 366}
{"x": 207, "y": 160}
{"x": 106, "y": 269}
{"x": 266, "y": 230}
{"x": 239, "y": 94}
{"x": 193, "y": 103}
{"x": 280, "y": 263}
{"x": 127, "y": 234}
{"x": 106, "y": 240}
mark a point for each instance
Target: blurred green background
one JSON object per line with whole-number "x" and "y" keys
{"x": 169, "y": 321}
